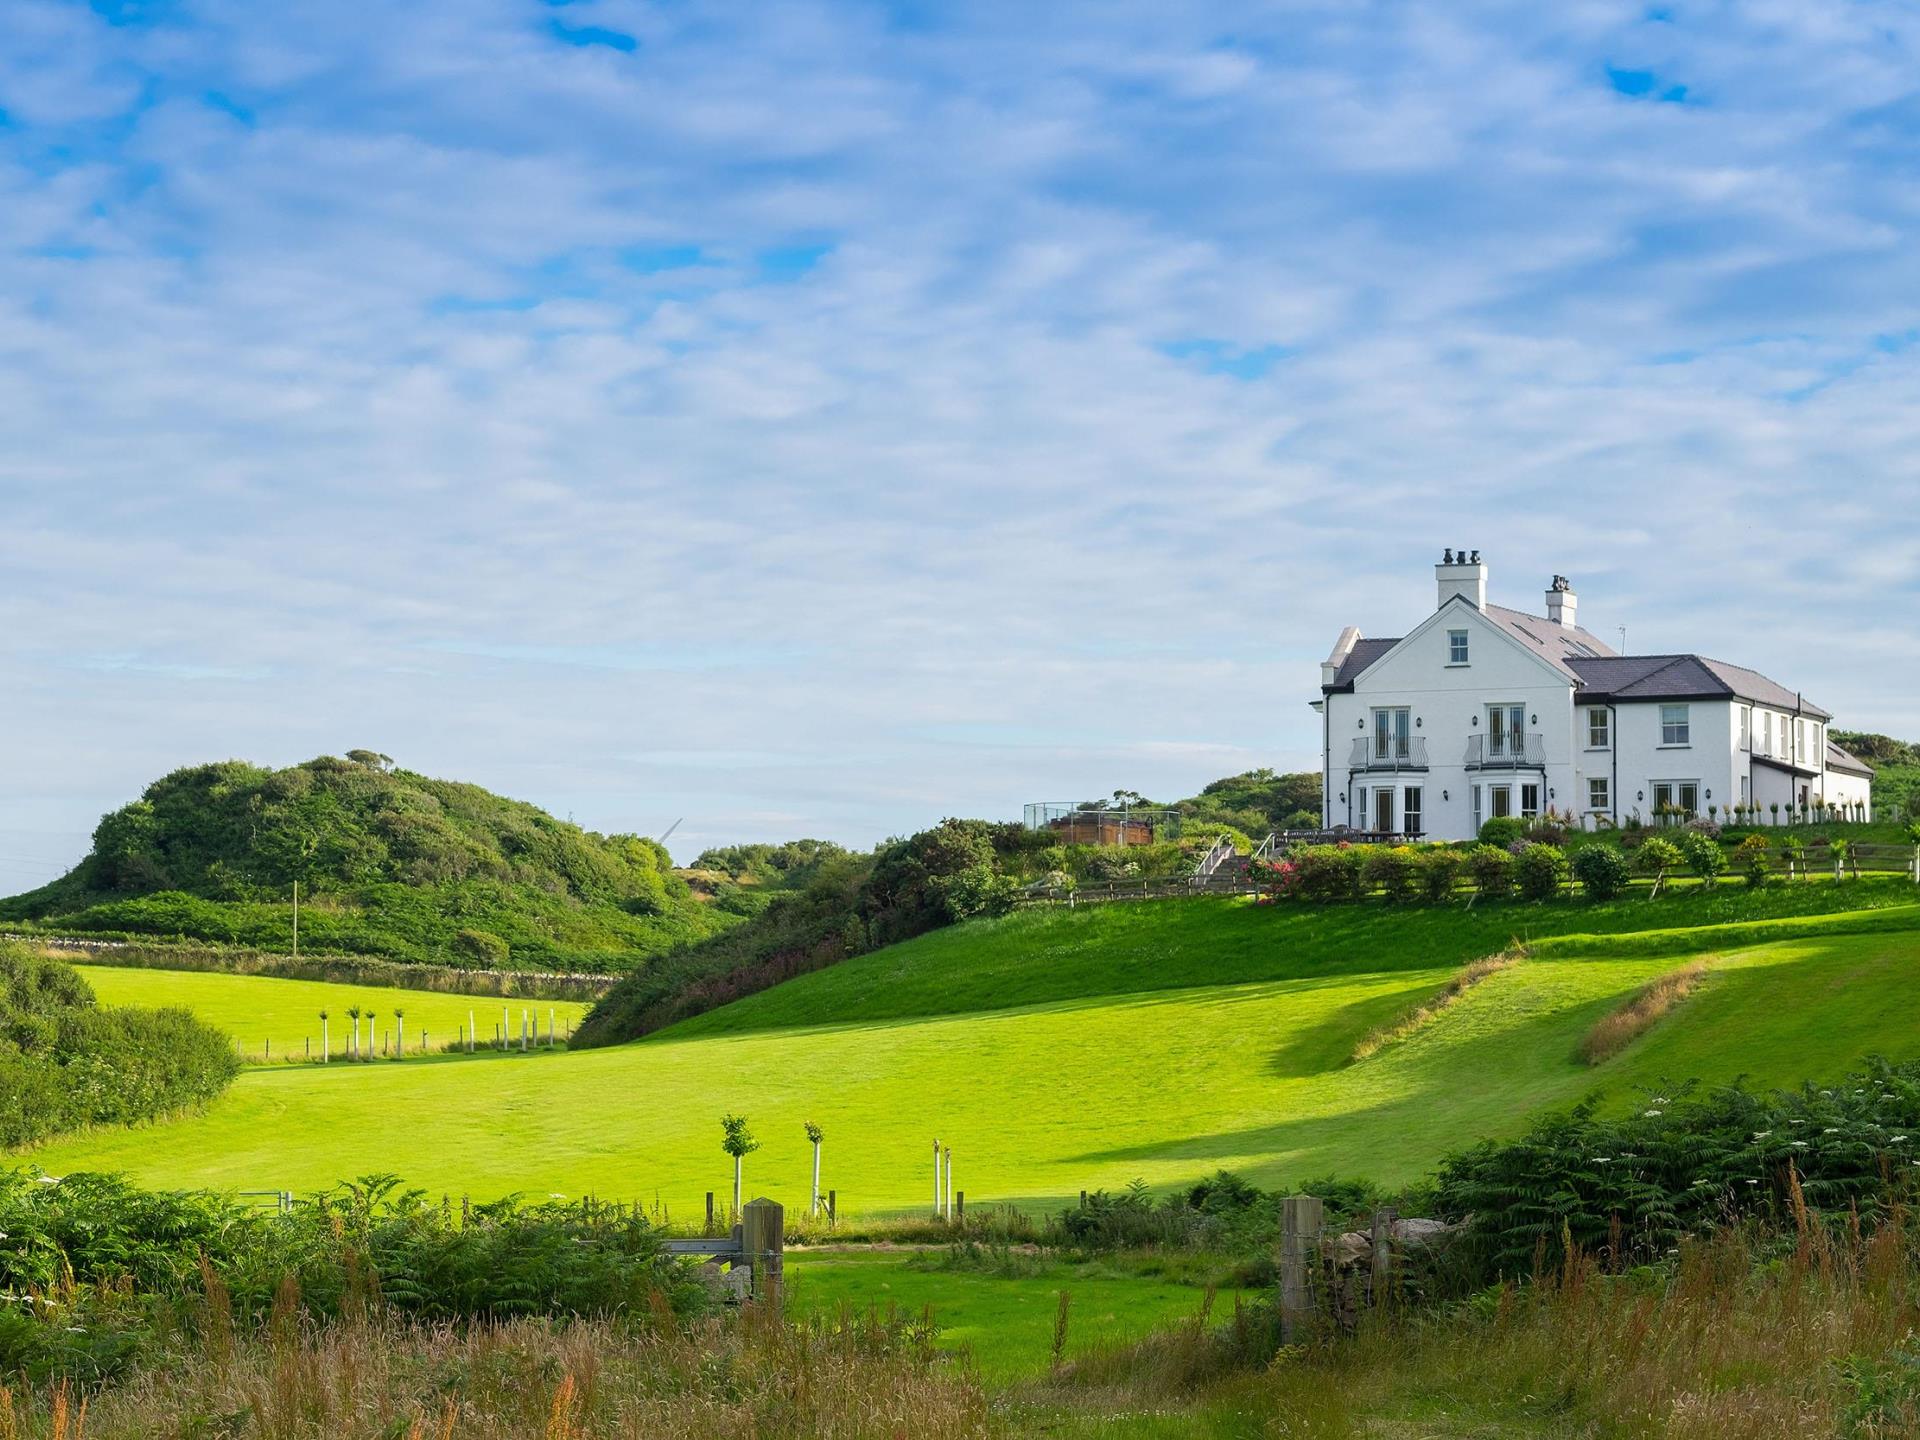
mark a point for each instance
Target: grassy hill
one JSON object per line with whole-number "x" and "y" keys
{"x": 1062, "y": 1051}
{"x": 388, "y": 863}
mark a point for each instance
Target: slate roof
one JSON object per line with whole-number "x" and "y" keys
{"x": 1363, "y": 654}
{"x": 1559, "y": 646}
{"x": 1838, "y": 759}
{"x": 1681, "y": 677}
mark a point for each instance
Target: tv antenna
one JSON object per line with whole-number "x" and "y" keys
{"x": 1623, "y": 639}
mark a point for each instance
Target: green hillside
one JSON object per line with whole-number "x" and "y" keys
{"x": 1062, "y": 1051}
{"x": 388, "y": 863}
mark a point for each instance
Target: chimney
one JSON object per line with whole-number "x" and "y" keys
{"x": 1562, "y": 602}
{"x": 1462, "y": 574}
{"x": 1343, "y": 647}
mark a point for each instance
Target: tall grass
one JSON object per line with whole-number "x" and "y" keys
{"x": 1737, "y": 1339}
{"x": 745, "y": 1375}
{"x": 1640, "y": 1012}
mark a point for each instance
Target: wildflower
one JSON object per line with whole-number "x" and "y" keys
{"x": 1898, "y": 1139}
{"x": 1603, "y": 1159}
{"x": 1649, "y": 1112}
{"x": 1831, "y": 1130}
{"x": 1756, "y": 1182}
{"x": 1761, "y": 1134}
{"x": 1799, "y": 1145}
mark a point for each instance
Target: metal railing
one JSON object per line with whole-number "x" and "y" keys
{"x": 1389, "y": 752}
{"x": 1221, "y": 852}
{"x": 1526, "y": 751}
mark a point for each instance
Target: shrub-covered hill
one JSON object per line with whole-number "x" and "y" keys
{"x": 388, "y": 863}
{"x": 65, "y": 1063}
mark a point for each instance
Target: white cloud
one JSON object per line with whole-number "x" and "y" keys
{"x": 361, "y": 418}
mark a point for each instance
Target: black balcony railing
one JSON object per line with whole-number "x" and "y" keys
{"x": 1389, "y": 752}
{"x": 1513, "y": 751}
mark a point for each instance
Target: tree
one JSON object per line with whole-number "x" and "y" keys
{"x": 372, "y": 759}
{"x": 353, "y": 1045}
{"x": 738, "y": 1142}
{"x": 814, "y": 1136}
{"x": 399, "y": 1033}
{"x": 326, "y": 1039}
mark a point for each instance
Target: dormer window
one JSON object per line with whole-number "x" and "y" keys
{"x": 1456, "y": 647}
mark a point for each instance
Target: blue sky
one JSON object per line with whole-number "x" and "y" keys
{"x": 821, "y": 418}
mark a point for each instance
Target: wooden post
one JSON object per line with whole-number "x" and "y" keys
{"x": 1383, "y": 1219}
{"x": 709, "y": 1229}
{"x": 960, "y": 1206}
{"x": 833, "y": 1207}
{"x": 936, "y": 1179}
{"x": 472, "y": 1031}
{"x": 269, "y": 1049}
{"x": 1301, "y": 1217}
{"x": 947, "y": 1183}
{"x": 762, "y": 1236}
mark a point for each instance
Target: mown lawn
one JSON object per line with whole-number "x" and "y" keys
{"x": 1043, "y": 1100}
{"x": 280, "y": 1019}
{"x": 1003, "y": 1322}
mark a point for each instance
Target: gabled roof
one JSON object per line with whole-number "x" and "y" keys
{"x": 1363, "y": 654}
{"x": 1556, "y": 644}
{"x": 1838, "y": 759}
{"x": 1682, "y": 677}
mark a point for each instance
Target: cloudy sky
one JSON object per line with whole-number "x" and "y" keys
{"x": 822, "y": 418}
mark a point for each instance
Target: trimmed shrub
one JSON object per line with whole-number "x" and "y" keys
{"x": 1491, "y": 870}
{"x": 1703, "y": 855}
{"x": 1750, "y": 858}
{"x": 1602, "y": 871}
{"x": 1391, "y": 870}
{"x": 1322, "y": 873}
{"x": 1503, "y": 830}
{"x": 1541, "y": 871}
{"x": 1438, "y": 869}
{"x": 1659, "y": 856}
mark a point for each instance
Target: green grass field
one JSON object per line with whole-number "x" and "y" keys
{"x": 1004, "y": 1323}
{"x": 1131, "y": 1078}
{"x": 281, "y": 1018}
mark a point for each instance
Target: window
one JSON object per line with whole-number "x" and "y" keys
{"x": 1383, "y": 810}
{"x": 1392, "y": 734}
{"x": 1597, "y": 797}
{"x": 1476, "y": 809}
{"x": 1363, "y": 807}
{"x": 1800, "y": 740}
{"x": 1411, "y": 820}
{"x": 1456, "y": 647}
{"x": 1746, "y": 726}
{"x": 1676, "y": 725}
{"x": 1766, "y": 732}
{"x": 1681, "y": 796}
{"x": 1598, "y": 736}
{"x": 1506, "y": 732}
{"x": 1529, "y": 801}
{"x": 1502, "y": 798}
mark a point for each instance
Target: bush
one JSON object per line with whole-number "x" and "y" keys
{"x": 1659, "y": 856}
{"x": 1322, "y": 873}
{"x": 481, "y": 948}
{"x": 1541, "y": 871}
{"x": 1439, "y": 869}
{"x": 1503, "y": 830}
{"x": 1702, "y": 854}
{"x": 1491, "y": 870}
{"x": 1751, "y": 857}
{"x": 1602, "y": 871}
{"x": 1391, "y": 870}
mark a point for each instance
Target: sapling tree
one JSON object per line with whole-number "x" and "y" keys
{"x": 814, "y": 1136}
{"x": 326, "y": 1039}
{"x": 399, "y": 1033}
{"x": 738, "y": 1142}
{"x": 353, "y": 1044}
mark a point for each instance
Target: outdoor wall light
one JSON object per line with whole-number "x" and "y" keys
{"x": 1361, "y": 723}
{"x": 1709, "y": 794}
{"x": 1444, "y": 795}
{"x": 1536, "y": 720}
{"x": 1416, "y": 722}
{"x": 1343, "y": 797}
{"x": 1549, "y": 792}
{"x": 1639, "y": 794}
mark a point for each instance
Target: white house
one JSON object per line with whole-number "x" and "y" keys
{"x": 1481, "y": 711}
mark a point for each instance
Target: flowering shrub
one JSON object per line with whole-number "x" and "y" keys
{"x": 1750, "y": 858}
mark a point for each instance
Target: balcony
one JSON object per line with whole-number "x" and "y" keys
{"x": 1507, "y": 752}
{"x": 1390, "y": 753}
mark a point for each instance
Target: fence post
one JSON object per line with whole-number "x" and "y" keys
{"x": 833, "y": 1207}
{"x": 960, "y": 1206}
{"x": 709, "y": 1229}
{"x": 762, "y": 1237}
{"x": 1383, "y": 1219}
{"x": 1301, "y": 1217}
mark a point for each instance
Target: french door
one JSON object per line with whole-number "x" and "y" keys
{"x": 1506, "y": 731}
{"x": 1383, "y": 809}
